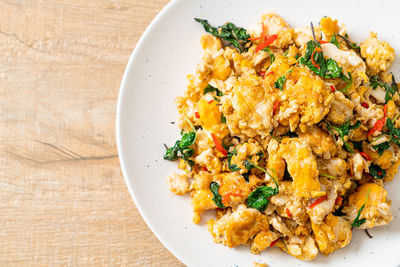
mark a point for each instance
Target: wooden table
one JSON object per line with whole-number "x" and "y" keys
{"x": 63, "y": 198}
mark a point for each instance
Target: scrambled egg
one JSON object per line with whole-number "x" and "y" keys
{"x": 287, "y": 153}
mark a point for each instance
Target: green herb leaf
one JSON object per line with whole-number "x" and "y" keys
{"x": 210, "y": 89}
{"x": 271, "y": 55}
{"x": 280, "y": 82}
{"x": 229, "y": 32}
{"x": 357, "y": 145}
{"x": 327, "y": 68}
{"x": 223, "y": 118}
{"x": 376, "y": 172}
{"x": 349, "y": 43}
{"x": 246, "y": 176}
{"x": 344, "y": 130}
{"x": 248, "y": 164}
{"x": 334, "y": 41}
{"x": 217, "y": 197}
{"x": 357, "y": 221}
{"x": 349, "y": 81}
{"x": 374, "y": 82}
{"x": 258, "y": 199}
{"x": 172, "y": 153}
{"x": 232, "y": 167}
{"x": 394, "y": 132}
{"x": 181, "y": 148}
{"x": 338, "y": 212}
{"x": 187, "y": 139}
{"x": 381, "y": 147}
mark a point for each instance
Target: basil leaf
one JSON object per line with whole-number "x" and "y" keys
{"x": 211, "y": 88}
{"x": 229, "y": 32}
{"x": 394, "y": 132}
{"x": 374, "y": 82}
{"x": 338, "y": 212}
{"x": 334, "y": 41}
{"x": 172, "y": 153}
{"x": 349, "y": 43}
{"x": 246, "y": 176}
{"x": 376, "y": 172}
{"x": 357, "y": 222}
{"x": 248, "y": 164}
{"x": 223, "y": 118}
{"x": 271, "y": 56}
{"x": 348, "y": 80}
{"x": 187, "y": 139}
{"x": 334, "y": 71}
{"x": 217, "y": 197}
{"x": 344, "y": 130}
{"x": 232, "y": 167}
{"x": 258, "y": 199}
{"x": 280, "y": 82}
{"x": 381, "y": 147}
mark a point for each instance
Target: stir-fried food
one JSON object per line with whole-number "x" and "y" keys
{"x": 289, "y": 135}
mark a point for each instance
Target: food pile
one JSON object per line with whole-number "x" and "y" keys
{"x": 289, "y": 135}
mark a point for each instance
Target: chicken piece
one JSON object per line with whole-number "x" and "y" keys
{"x": 332, "y": 234}
{"x": 236, "y": 228}
{"x": 275, "y": 162}
{"x": 178, "y": 183}
{"x": 302, "y": 35}
{"x": 318, "y": 212}
{"x": 342, "y": 109}
{"x": 335, "y": 166}
{"x": 301, "y": 165}
{"x": 377, "y": 210}
{"x": 208, "y": 159}
{"x": 275, "y": 24}
{"x": 379, "y": 55}
{"x": 328, "y": 27}
{"x": 303, "y": 247}
{"x": 233, "y": 188}
{"x": 306, "y": 98}
{"x": 263, "y": 240}
{"x": 358, "y": 165}
{"x": 279, "y": 225}
{"x": 202, "y": 200}
{"x": 210, "y": 44}
{"x": 252, "y": 111}
{"x": 320, "y": 142}
{"x": 286, "y": 201}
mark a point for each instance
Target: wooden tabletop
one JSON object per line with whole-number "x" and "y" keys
{"x": 63, "y": 198}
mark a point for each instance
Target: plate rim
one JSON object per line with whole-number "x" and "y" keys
{"x": 121, "y": 94}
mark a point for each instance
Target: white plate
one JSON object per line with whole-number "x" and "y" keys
{"x": 156, "y": 73}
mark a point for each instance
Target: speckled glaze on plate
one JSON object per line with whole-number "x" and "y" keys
{"x": 156, "y": 73}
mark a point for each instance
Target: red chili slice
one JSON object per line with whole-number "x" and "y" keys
{"x": 273, "y": 242}
{"x": 262, "y": 73}
{"x": 218, "y": 145}
{"x": 323, "y": 42}
{"x": 276, "y": 106}
{"x": 267, "y": 41}
{"x": 365, "y": 105}
{"x": 366, "y": 156}
{"x": 333, "y": 89}
{"x": 317, "y": 49}
{"x": 318, "y": 201}
{"x": 339, "y": 201}
{"x": 197, "y": 115}
{"x": 288, "y": 212}
{"x": 379, "y": 123}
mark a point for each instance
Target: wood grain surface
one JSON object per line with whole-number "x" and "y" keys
{"x": 63, "y": 198}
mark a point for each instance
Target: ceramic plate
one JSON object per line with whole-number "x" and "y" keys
{"x": 156, "y": 73}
